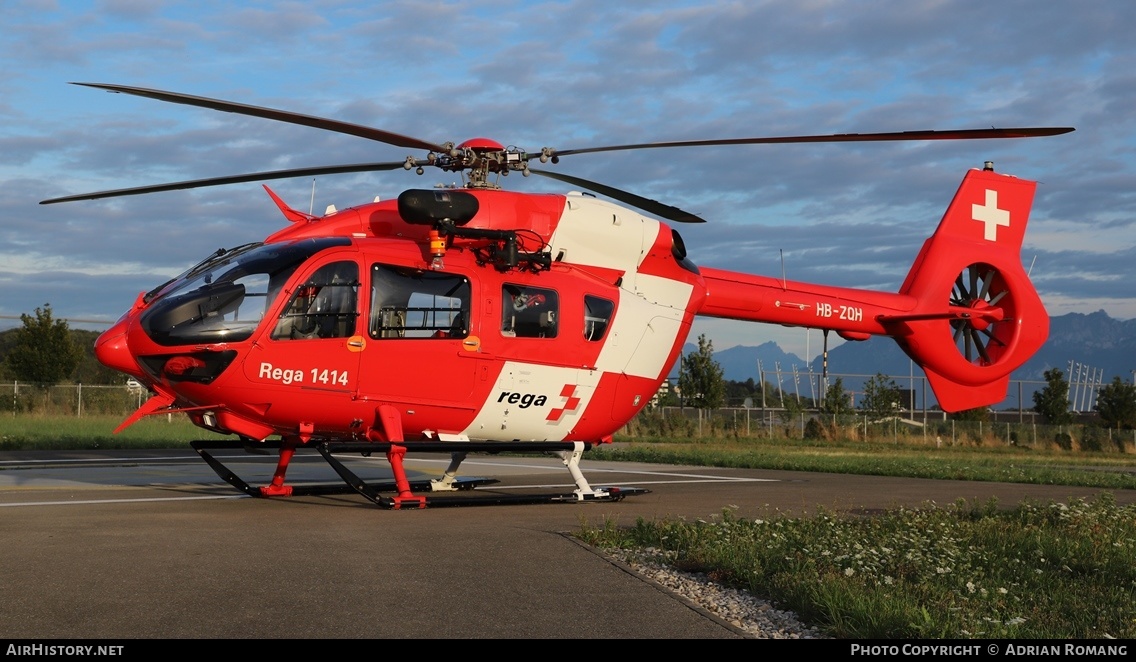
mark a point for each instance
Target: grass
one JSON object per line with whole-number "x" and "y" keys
{"x": 1001, "y": 464}
{"x": 1024, "y": 571}
{"x": 1035, "y": 571}
{"x": 1013, "y": 571}
{"x": 64, "y": 433}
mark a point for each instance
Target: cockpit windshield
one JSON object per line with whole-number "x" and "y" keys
{"x": 221, "y": 256}
{"x": 224, "y": 298}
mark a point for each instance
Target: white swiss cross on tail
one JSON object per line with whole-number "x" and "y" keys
{"x": 990, "y": 215}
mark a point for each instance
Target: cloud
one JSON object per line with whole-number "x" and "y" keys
{"x": 570, "y": 75}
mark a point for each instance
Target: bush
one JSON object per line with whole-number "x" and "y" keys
{"x": 814, "y": 429}
{"x": 1092, "y": 440}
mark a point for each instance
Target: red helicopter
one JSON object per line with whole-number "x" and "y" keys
{"x": 473, "y": 319}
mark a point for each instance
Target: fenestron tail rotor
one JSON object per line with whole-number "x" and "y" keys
{"x": 977, "y": 337}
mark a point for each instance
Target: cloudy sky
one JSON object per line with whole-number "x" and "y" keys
{"x": 571, "y": 75}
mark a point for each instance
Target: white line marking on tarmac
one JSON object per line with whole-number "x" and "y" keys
{"x": 96, "y": 501}
{"x": 98, "y": 460}
{"x": 593, "y": 469}
{"x": 676, "y": 477}
{"x": 629, "y": 484}
{"x": 692, "y": 479}
{"x": 176, "y": 458}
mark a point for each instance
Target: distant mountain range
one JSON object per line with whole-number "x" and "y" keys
{"x": 1102, "y": 347}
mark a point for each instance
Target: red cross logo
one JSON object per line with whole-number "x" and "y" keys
{"x": 572, "y": 402}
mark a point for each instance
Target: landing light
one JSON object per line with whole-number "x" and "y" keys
{"x": 179, "y": 365}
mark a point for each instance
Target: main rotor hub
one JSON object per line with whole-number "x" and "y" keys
{"x": 481, "y": 145}
{"x": 478, "y": 158}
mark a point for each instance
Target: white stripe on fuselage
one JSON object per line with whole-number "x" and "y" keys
{"x": 597, "y": 233}
{"x": 524, "y": 397}
{"x": 646, "y": 326}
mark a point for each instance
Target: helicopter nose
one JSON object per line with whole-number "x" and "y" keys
{"x": 112, "y": 350}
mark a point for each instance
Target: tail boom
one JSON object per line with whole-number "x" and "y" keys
{"x": 854, "y": 314}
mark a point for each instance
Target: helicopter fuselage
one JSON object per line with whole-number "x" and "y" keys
{"x": 479, "y": 315}
{"x": 309, "y": 332}
{"x": 529, "y": 317}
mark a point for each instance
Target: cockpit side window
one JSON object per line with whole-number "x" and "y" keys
{"x": 529, "y": 312}
{"x": 324, "y": 306}
{"x": 412, "y": 303}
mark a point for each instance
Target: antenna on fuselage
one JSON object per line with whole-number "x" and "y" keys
{"x": 784, "y": 283}
{"x": 312, "y": 203}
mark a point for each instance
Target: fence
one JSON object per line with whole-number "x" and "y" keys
{"x": 802, "y": 385}
{"x": 930, "y": 427}
{"x": 70, "y": 399}
{"x": 1021, "y": 429}
{"x": 805, "y": 385}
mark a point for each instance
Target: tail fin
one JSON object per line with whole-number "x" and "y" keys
{"x": 978, "y": 317}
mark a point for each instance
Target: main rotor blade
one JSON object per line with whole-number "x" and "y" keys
{"x": 646, "y": 204}
{"x": 230, "y": 179}
{"x": 959, "y": 134}
{"x": 273, "y": 114}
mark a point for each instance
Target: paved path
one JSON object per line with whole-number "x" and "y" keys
{"x": 154, "y": 545}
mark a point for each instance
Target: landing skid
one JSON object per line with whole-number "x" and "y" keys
{"x": 405, "y": 491}
{"x": 203, "y": 446}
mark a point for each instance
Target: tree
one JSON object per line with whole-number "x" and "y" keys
{"x": 42, "y": 352}
{"x": 737, "y": 392}
{"x": 700, "y": 380}
{"x": 881, "y": 399}
{"x": 976, "y": 415}
{"x": 1116, "y": 404}
{"x": 1052, "y": 402}
{"x": 89, "y": 370}
{"x": 836, "y": 399}
{"x": 791, "y": 410}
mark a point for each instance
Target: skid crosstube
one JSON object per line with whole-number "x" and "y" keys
{"x": 203, "y": 446}
{"x": 373, "y": 491}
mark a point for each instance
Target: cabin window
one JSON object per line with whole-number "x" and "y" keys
{"x": 413, "y": 303}
{"x": 324, "y": 306}
{"x": 529, "y": 312}
{"x": 597, "y": 314}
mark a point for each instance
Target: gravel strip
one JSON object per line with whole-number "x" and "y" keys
{"x": 757, "y": 618}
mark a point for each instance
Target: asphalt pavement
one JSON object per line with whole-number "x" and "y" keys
{"x": 155, "y": 546}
